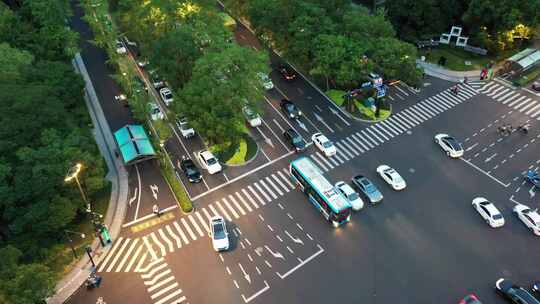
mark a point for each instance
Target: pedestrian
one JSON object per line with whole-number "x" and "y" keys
{"x": 155, "y": 208}
{"x": 465, "y": 80}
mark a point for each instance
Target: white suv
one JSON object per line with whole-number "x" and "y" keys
{"x": 529, "y": 217}
{"x": 209, "y": 162}
{"x": 219, "y": 234}
{"x": 166, "y": 96}
{"x": 155, "y": 112}
{"x": 184, "y": 127}
{"x": 351, "y": 195}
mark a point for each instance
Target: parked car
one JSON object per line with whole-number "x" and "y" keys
{"x": 166, "y": 96}
{"x": 533, "y": 177}
{"x": 450, "y": 145}
{"x": 190, "y": 170}
{"x": 324, "y": 144}
{"x": 488, "y": 212}
{"x": 155, "y": 112}
{"x": 392, "y": 177}
{"x": 367, "y": 188}
{"x": 209, "y": 162}
{"x": 287, "y": 72}
{"x": 252, "y": 117}
{"x": 157, "y": 82}
{"x": 470, "y": 299}
{"x": 295, "y": 140}
{"x": 514, "y": 293}
{"x": 184, "y": 127}
{"x": 352, "y": 196}
{"x": 529, "y": 217}
{"x": 219, "y": 234}
{"x": 290, "y": 109}
{"x": 265, "y": 80}
{"x": 120, "y": 47}
{"x": 536, "y": 87}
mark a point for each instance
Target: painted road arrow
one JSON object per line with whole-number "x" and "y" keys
{"x": 302, "y": 125}
{"x": 276, "y": 254}
{"x": 296, "y": 240}
{"x": 323, "y": 122}
{"x": 532, "y": 193}
{"x": 267, "y": 140}
{"x": 336, "y": 112}
{"x": 246, "y": 276}
{"x": 155, "y": 191}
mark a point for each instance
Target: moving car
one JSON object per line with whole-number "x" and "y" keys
{"x": 295, "y": 140}
{"x": 209, "y": 162}
{"x": 450, "y": 145}
{"x": 166, "y": 95}
{"x": 533, "y": 177}
{"x": 351, "y": 195}
{"x": 324, "y": 144}
{"x": 190, "y": 170}
{"x": 287, "y": 72}
{"x": 365, "y": 186}
{"x": 155, "y": 112}
{"x": 529, "y": 217}
{"x": 392, "y": 177}
{"x": 219, "y": 234}
{"x": 514, "y": 293}
{"x": 265, "y": 80}
{"x": 536, "y": 87}
{"x": 470, "y": 299}
{"x": 488, "y": 211}
{"x": 536, "y": 289}
{"x": 252, "y": 117}
{"x": 290, "y": 109}
{"x": 120, "y": 47}
{"x": 184, "y": 127}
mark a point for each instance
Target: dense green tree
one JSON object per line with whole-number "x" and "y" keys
{"x": 361, "y": 25}
{"x": 222, "y": 83}
{"x": 395, "y": 60}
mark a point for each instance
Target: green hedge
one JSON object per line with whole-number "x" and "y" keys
{"x": 178, "y": 189}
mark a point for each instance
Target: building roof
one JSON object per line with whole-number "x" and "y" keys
{"x": 134, "y": 144}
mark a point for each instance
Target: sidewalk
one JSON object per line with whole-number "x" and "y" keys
{"x": 435, "y": 70}
{"x": 118, "y": 177}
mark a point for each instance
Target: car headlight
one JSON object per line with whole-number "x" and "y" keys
{"x": 299, "y": 112}
{"x": 291, "y": 115}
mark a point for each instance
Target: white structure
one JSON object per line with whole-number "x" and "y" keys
{"x": 455, "y": 32}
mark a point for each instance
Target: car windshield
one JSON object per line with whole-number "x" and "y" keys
{"x": 219, "y": 232}
{"x": 211, "y": 161}
{"x": 168, "y": 95}
{"x": 453, "y": 143}
{"x": 155, "y": 111}
{"x": 290, "y": 107}
{"x": 249, "y": 113}
{"x": 353, "y": 196}
{"x": 327, "y": 144}
{"x": 497, "y": 216}
{"x": 297, "y": 139}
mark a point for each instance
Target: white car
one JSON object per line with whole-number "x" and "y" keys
{"x": 120, "y": 47}
{"x": 488, "y": 211}
{"x": 155, "y": 112}
{"x": 209, "y": 162}
{"x": 265, "y": 80}
{"x": 450, "y": 145}
{"x": 252, "y": 117}
{"x": 184, "y": 127}
{"x": 392, "y": 177}
{"x": 166, "y": 96}
{"x": 324, "y": 144}
{"x": 352, "y": 197}
{"x": 219, "y": 234}
{"x": 529, "y": 217}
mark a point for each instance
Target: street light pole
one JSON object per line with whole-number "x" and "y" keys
{"x": 70, "y": 240}
{"x": 73, "y": 173}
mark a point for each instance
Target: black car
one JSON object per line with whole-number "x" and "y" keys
{"x": 514, "y": 293}
{"x": 287, "y": 72}
{"x": 290, "y": 109}
{"x": 367, "y": 188}
{"x": 536, "y": 87}
{"x": 296, "y": 140}
{"x": 190, "y": 170}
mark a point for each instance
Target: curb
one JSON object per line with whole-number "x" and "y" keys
{"x": 371, "y": 121}
{"x": 117, "y": 175}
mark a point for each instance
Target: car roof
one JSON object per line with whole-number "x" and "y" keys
{"x": 206, "y": 154}
{"x": 292, "y": 131}
{"x": 491, "y": 208}
{"x": 346, "y": 188}
{"x": 321, "y": 136}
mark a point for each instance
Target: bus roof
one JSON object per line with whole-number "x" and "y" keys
{"x": 314, "y": 176}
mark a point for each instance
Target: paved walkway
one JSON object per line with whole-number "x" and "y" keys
{"x": 435, "y": 70}
{"x": 118, "y": 177}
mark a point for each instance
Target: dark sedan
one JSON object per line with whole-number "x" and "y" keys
{"x": 290, "y": 109}
{"x": 295, "y": 140}
{"x": 287, "y": 72}
{"x": 366, "y": 187}
{"x": 190, "y": 170}
{"x": 514, "y": 293}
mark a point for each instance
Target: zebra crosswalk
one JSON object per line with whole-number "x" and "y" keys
{"x": 476, "y": 83}
{"x": 512, "y": 98}
{"x": 161, "y": 283}
{"x": 128, "y": 254}
{"x": 399, "y": 92}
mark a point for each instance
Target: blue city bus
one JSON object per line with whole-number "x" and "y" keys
{"x": 320, "y": 192}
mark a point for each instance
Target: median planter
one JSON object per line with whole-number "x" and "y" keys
{"x": 361, "y": 107}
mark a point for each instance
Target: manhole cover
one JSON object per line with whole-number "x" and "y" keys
{"x": 409, "y": 132}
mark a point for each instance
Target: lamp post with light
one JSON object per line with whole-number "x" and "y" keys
{"x": 73, "y": 173}
{"x": 67, "y": 232}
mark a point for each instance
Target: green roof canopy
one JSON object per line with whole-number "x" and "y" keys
{"x": 134, "y": 144}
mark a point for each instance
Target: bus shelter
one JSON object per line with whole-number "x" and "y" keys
{"x": 134, "y": 144}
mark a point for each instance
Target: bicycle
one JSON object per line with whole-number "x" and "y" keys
{"x": 505, "y": 130}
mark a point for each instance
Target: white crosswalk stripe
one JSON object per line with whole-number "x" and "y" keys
{"x": 357, "y": 139}
{"x": 420, "y": 113}
{"x": 181, "y": 232}
{"x": 410, "y": 117}
{"x": 236, "y": 204}
{"x": 530, "y": 104}
{"x": 166, "y": 239}
{"x": 334, "y": 161}
{"x": 533, "y": 109}
{"x": 266, "y": 196}
{"x": 503, "y": 97}
{"x": 267, "y": 188}
{"x": 435, "y": 105}
{"x": 243, "y": 201}
{"x": 207, "y": 214}
{"x": 355, "y": 145}
{"x": 324, "y": 160}
{"x": 127, "y": 255}
{"x": 342, "y": 148}
{"x": 111, "y": 253}
{"x": 394, "y": 123}
{"x": 426, "y": 110}
{"x": 511, "y": 98}
{"x": 280, "y": 193}
{"x": 162, "y": 249}
{"x": 162, "y": 285}
{"x": 346, "y": 143}
{"x": 250, "y": 199}
{"x": 376, "y": 130}
{"x": 174, "y": 236}
{"x": 427, "y": 103}
{"x": 257, "y": 196}
{"x": 194, "y": 223}
{"x": 522, "y": 103}
{"x": 280, "y": 183}
{"x": 339, "y": 156}
{"x": 403, "y": 121}
{"x": 203, "y": 222}
{"x": 135, "y": 258}
{"x": 373, "y": 135}
{"x": 188, "y": 229}
{"x": 223, "y": 212}
{"x": 439, "y": 101}
{"x": 368, "y": 139}
{"x": 229, "y": 208}
{"x": 502, "y": 92}
{"x": 321, "y": 165}
{"x": 284, "y": 175}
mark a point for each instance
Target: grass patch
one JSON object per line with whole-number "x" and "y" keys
{"x": 336, "y": 96}
{"x": 528, "y": 77}
{"x": 370, "y": 114}
{"x": 455, "y": 58}
{"x": 178, "y": 189}
{"x": 61, "y": 261}
{"x": 236, "y": 154}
